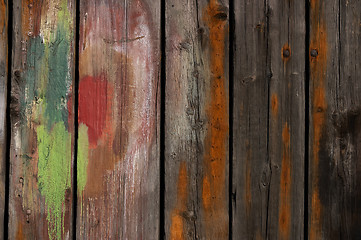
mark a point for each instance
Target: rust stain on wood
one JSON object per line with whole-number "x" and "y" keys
{"x": 274, "y": 105}
{"x": 318, "y": 66}
{"x": 214, "y": 190}
{"x": 3, "y": 16}
{"x": 286, "y": 53}
{"x": 177, "y": 225}
{"x": 284, "y": 218}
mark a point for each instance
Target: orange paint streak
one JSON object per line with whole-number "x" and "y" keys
{"x": 284, "y": 218}
{"x": 3, "y": 16}
{"x": 274, "y": 105}
{"x": 19, "y": 233}
{"x": 177, "y": 225}
{"x": 31, "y": 17}
{"x": 214, "y": 182}
{"x": 319, "y": 105}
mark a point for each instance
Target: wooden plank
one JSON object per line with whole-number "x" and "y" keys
{"x": 335, "y": 209}
{"x": 269, "y": 117}
{"x": 119, "y": 89}
{"x": 196, "y": 120}
{"x": 3, "y": 101}
{"x": 42, "y": 120}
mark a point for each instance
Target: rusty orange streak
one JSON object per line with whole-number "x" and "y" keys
{"x": 274, "y": 105}
{"x": 3, "y": 20}
{"x": 214, "y": 181}
{"x": 284, "y": 218}
{"x": 319, "y": 105}
{"x": 177, "y": 225}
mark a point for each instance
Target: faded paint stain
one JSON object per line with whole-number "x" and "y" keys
{"x": 177, "y": 224}
{"x": 93, "y": 105}
{"x": 214, "y": 191}
{"x": 19, "y": 233}
{"x": 274, "y": 105}
{"x": 284, "y": 218}
{"x": 319, "y": 106}
{"x": 3, "y": 18}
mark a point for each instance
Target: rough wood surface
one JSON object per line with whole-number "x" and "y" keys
{"x": 196, "y": 120}
{"x": 42, "y": 120}
{"x": 269, "y": 117}
{"x": 3, "y": 102}
{"x": 118, "y": 144}
{"x": 335, "y": 112}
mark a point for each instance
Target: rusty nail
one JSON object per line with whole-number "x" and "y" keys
{"x": 21, "y": 180}
{"x": 314, "y": 53}
{"x": 286, "y": 53}
{"x": 28, "y": 212}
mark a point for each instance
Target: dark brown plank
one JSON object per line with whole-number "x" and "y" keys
{"x": 196, "y": 124}
{"x": 119, "y": 93}
{"x": 335, "y": 182}
{"x": 3, "y": 101}
{"x": 269, "y": 117}
{"x": 42, "y": 124}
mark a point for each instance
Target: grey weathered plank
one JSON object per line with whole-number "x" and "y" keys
{"x": 3, "y": 101}
{"x": 269, "y": 117}
{"x": 42, "y": 139}
{"x": 196, "y": 120}
{"x": 335, "y": 193}
{"x": 119, "y": 100}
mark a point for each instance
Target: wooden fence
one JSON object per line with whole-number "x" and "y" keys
{"x": 180, "y": 119}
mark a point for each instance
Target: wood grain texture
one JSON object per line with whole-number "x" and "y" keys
{"x": 42, "y": 124}
{"x": 269, "y": 116}
{"x": 335, "y": 192}
{"x": 118, "y": 144}
{"x": 3, "y": 101}
{"x": 196, "y": 120}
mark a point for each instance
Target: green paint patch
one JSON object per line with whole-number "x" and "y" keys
{"x": 59, "y": 78}
{"x": 83, "y": 148}
{"x": 54, "y": 173}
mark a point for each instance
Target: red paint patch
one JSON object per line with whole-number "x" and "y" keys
{"x": 93, "y": 105}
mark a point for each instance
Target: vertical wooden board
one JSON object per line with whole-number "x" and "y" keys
{"x": 335, "y": 209}
{"x": 269, "y": 100}
{"x": 118, "y": 144}
{"x": 251, "y": 170}
{"x": 3, "y": 102}
{"x": 196, "y": 120}
{"x": 286, "y": 51}
{"x": 42, "y": 120}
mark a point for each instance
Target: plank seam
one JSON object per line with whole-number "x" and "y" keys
{"x": 8, "y": 119}
{"x": 76, "y": 124}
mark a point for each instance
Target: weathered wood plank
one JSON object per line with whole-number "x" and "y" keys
{"x": 196, "y": 120}
{"x": 335, "y": 192}
{"x": 3, "y": 101}
{"x": 119, "y": 93}
{"x": 269, "y": 117}
{"x": 42, "y": 120}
